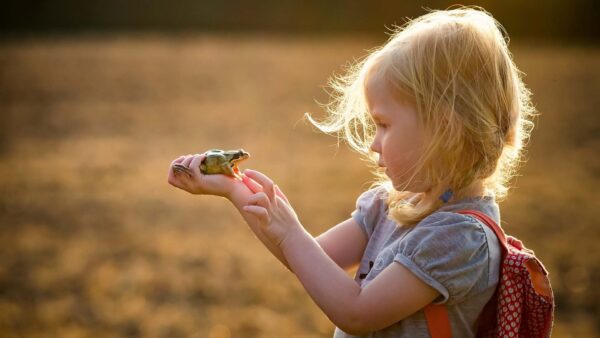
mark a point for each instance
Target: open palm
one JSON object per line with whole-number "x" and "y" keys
{"x": 194, "y": 182}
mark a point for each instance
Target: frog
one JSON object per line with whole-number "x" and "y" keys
{"x": 217, "y": 161}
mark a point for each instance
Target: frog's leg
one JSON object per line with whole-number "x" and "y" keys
{"x": 227, "y": 170}
{"x": 236, "y": 172}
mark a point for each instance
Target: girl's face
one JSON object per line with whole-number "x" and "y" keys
{"x": 399, "y": 137}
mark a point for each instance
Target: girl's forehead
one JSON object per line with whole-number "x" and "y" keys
{"x": 373, "y": 80}
{"x": 375, "y": 89}
{"x": 378, "y": 90}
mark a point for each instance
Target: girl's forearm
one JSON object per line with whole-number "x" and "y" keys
{"x": 239, "y": 199}
{"x": 328, "y": 284}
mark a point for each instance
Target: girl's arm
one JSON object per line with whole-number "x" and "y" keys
{"x": 239, "y": 199}
{"x": 238, "y": 191}
{"x": 393, "y": 295}
{"x": 344, "y": 243}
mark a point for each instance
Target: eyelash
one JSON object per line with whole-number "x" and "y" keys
{"x": 380, "y": 125}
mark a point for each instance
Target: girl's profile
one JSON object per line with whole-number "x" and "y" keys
{"x": 442, "y": 114}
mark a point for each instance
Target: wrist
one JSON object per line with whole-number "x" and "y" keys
{"x": 237, "y": 195}
{"x": 294, "y": 239}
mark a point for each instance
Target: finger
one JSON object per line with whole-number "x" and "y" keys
{"x": 173, "y": 178}
{"x": 251, "y": 184}
{"x": 195, "y": 164}
{"x": 176, "y": 178}
{"x": 171, "y": 171}
{"x": 180, "y": 169}
{"x": 286, "y": 205}
{"x": 260, "y": 199}
{"x": 260, "y": 212}
{"x": 281, "y": 201}
{"x": 178, "y": 160}
{"x": 280, "y": 193}
{"x": 264, "y": 181}
{"x": 187, "y": 160}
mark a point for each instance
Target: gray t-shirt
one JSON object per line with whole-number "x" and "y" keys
{"x": 453, "y": 253}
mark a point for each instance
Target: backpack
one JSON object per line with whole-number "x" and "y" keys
{"x": 523, "y": 304}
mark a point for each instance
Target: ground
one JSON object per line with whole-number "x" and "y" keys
{"x": 95, "y": 243}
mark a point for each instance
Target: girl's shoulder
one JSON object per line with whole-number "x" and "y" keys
{"x": 485, "y": 204}
{"x": 446, "y": 221}
{"x": 454, "y": 253}
{"x": 371, "y": 208}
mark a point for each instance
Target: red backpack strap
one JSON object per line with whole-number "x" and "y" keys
{"x": 487, "y": 220}
{"x": 438, "y": 321}
{"x": 436, "y": 315}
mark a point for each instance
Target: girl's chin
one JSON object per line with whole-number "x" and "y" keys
{"x": 401, "y": 185}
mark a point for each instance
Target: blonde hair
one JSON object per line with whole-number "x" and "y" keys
{"x": 469, "y": 96}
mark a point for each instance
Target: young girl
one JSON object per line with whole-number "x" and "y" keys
{"x": 443, "y": 112}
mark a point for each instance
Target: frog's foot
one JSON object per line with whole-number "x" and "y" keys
{"x": 181, "y": 169}
{"x": 236, "y": 173}
{"x": 227, "y": 170}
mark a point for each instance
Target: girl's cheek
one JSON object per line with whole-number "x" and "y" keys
{"x": 382, "y": 140}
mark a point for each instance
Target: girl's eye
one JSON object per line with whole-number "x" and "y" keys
{"x": 381, "y": 125}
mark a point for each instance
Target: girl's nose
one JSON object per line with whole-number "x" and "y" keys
{"x": 375, "y": 147}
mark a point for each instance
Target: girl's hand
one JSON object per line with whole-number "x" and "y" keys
{"x": 269, "y": 205}
{"x": 197, "y": 183}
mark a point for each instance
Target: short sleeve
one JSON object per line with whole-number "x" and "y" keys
{"x": 449, "y": 252}
{"x": 370, "y": 208}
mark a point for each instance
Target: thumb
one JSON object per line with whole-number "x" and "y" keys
{"x": 195, "y": 164}
{"x": 251, "y": 184}
{"x": 259, "y": 212}
{"x": 280, "y": 193}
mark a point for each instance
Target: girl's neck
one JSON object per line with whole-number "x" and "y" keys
{"x": 477, "y": 189}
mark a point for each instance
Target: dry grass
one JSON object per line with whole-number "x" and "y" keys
{"x": 95, "y": 243}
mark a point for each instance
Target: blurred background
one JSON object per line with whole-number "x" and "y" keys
{"x": 98, "y": 97}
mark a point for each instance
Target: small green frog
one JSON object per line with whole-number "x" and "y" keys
{"x": 217, "y": 162}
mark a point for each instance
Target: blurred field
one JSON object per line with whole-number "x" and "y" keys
{"x": 95, "y": 243}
